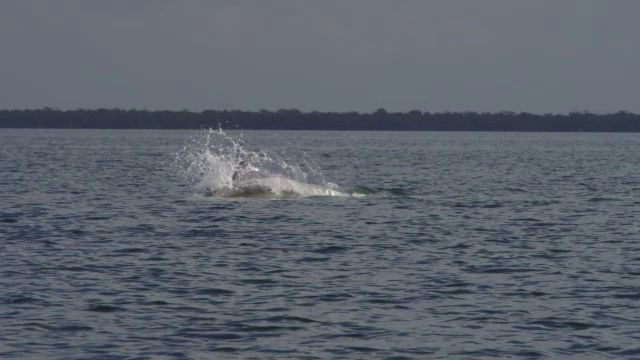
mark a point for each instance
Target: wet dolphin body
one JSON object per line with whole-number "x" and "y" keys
{"x": 262, "y": 184}
{"x": 245, "y": 166}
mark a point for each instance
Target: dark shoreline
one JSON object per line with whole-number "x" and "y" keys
{"x": 296, "y": 120}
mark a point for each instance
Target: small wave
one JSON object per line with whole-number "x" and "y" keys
{"x": 399, "y": 192}
{"x": 288, "y": 318}
{"x": 365, "y": 191}
{"x": 19, "y": 299}
{"x": 215, "y": 292}
{"x": 601, "y": 199}
{"x": 330, "y": 249}
{"x": 104, "y": 308}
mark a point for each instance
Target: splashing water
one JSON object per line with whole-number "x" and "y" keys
{"x": 220, "y": 165}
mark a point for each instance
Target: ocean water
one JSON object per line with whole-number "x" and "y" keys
{"x": 344, "y": 245}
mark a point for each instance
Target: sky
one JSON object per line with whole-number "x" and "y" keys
{"x": 542, "y": 56}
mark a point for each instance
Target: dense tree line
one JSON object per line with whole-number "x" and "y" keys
{"x": 293, "y": 119}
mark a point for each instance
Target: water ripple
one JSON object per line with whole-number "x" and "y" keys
{"x": 460, "y": 246}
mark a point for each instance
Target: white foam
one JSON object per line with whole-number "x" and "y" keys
{"x": 211, "y": 158}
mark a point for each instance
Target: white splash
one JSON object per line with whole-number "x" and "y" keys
{"x": 220, "y": 165}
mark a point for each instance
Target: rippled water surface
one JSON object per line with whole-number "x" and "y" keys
{"x": 447, "y": 245}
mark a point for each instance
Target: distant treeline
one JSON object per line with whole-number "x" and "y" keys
{"x": 293, "y": 119}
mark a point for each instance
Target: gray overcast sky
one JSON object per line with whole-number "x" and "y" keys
{"x": 327, "y": 55}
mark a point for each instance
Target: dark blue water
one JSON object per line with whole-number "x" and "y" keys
{"x": 465, "y": 245}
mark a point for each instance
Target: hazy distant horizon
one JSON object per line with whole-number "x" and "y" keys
{"x": 49, "y": 108}
{"x": 547, "y": 56}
